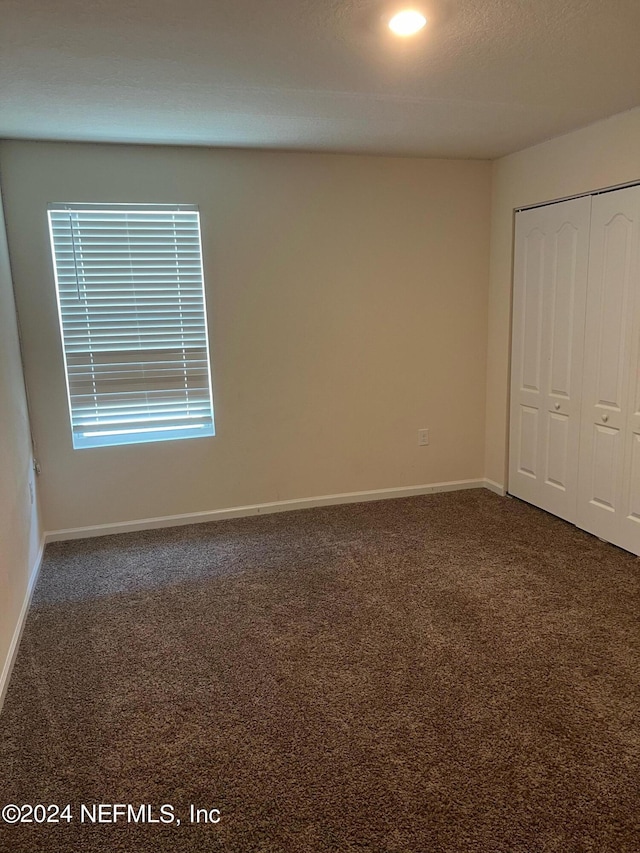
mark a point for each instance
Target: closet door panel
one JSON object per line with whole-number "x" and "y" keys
{"x": 633, "y": 484}
{"x": 605, "y": 466}
{"x": 630, "y": 533}
{"x": 562, "y": 324}
{"x": 527, "y": 358}
{"x": 550, "y": 279}
{"x": 610, "y": 424}
{"x": 608, "y": 303}
{"x": 557, "y": 451}
{"x": 527, "y": 464}
{"x": 532, "y": 285}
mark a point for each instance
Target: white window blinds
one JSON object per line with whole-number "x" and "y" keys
{"x": 132, "y": 314}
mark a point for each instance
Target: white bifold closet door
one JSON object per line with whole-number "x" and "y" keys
{"x": 609, "y": 463}
{"x": 550, "y": 287}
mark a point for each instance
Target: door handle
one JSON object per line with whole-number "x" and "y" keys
{"x": 605, "y": 418}
{"x": 556, "y": 406}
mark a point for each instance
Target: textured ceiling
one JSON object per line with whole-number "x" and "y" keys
{"x": 485, "y": 78}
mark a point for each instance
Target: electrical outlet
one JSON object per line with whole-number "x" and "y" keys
{"x": 423, "y": 437}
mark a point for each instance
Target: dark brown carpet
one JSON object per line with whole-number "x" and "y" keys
{"x": 457, "y": 672}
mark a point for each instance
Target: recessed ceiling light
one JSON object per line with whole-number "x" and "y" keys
{"x": 407, "y": 23}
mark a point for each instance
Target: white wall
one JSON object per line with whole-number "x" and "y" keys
{"x": 19, "y": 530}
{"x": 596, "y": 157}
{"x": 348, "y": 308}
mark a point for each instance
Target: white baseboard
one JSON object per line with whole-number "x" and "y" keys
{"x": 495, "y": 487}
{"x": 22, "y": 618}
{"x": 260, "y": 509}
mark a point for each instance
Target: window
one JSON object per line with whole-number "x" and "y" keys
{"x": 132, "y": 314}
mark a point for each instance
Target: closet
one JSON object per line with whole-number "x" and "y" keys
{"x": 574, "y": 445}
